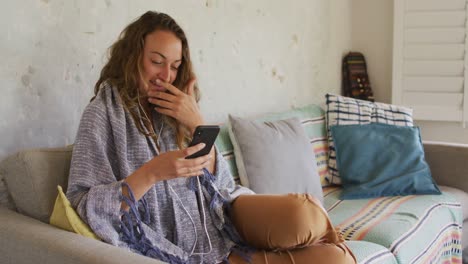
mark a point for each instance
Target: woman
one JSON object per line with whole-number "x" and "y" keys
{"x": 130, "y": 181}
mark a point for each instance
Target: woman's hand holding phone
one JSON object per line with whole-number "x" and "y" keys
{"x": 173, "y": 164}
{"x": 166, "y": 166}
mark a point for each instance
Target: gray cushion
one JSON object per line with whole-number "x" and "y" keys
{"x": 274, "y": 157}
{"x": 32, "y": 177}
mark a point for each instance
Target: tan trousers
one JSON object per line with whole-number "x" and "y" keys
{"x": 291, "y": 228}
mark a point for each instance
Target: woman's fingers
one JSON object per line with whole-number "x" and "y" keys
{"x": 192, "y": 174}
{"x": 197, "y": 162}
{"x": 173, "y": 103}
{"x": 173, "y": 164}
{"x": 162, "y": 95}
{"x": 178, "y": 104}
{"x": 193, "y": 149}
{"x": 197, "y": 169}
{"x": 161, "y": 103}
{"x": 171, "y": 88}
{"x": 191, "y": 86}
{"x": 193, "y": 167}
{"x": 166, "y": 111}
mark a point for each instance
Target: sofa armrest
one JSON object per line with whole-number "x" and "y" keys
{"x": 448, "y": 163}
{"x": 26, "y": 240}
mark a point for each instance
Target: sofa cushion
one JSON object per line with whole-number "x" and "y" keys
{"x": 461, "y": 196}
{"x": 367, "y": 252}
{"x": 26, "y": 240}
{"x": 65, "y": 217}
{"x": 312, "y": 118}
{"x": 381, "y": 160}
{"x": 415, "y": 228}
{"x": 274, "y": 157}
{"x": 5, "y": 197}
{"x": 32, "y": 177}
{"x": 348, "y": 111}
{"x": 465, "y": 238}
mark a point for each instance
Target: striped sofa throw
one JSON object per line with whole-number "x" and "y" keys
{"x": 348, "y": 111}
{"x": 413, "y": 229}
{"x": 312, "y": 118}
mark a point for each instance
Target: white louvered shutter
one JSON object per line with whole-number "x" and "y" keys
{"x": 430, "y": 58}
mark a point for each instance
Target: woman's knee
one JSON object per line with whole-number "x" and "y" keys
{"x": 304, "y": 210}
{"x": 305, "y": 217}
{"x": 281, "y": 221}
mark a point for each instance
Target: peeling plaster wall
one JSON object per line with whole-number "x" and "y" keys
{"x": 251, "y": 57}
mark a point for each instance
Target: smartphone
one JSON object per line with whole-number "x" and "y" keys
{"x": 203, "y": 134}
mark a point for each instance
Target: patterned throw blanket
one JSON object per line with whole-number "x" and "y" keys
{"x": 170, "y": 222}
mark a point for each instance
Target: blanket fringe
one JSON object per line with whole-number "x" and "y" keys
{"x": 133, "y": 234}
{"x": 218, "y": 201}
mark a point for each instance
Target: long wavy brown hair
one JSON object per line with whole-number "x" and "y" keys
{"x": 124, "y": 70}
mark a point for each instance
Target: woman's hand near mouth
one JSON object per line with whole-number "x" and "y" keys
{"x": 155, "y": 86}
{"x": 177, "y": 104}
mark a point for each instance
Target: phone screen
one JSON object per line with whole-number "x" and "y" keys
{"x": 204, "y": 134}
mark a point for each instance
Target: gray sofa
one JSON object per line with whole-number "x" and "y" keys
{"x": 31, "y": 177}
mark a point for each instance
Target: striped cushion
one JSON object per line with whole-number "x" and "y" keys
{"x": 312, "y": 118}
{"x": 415, "y": 228}
{"x": 348, "y": 111}
{"x": 224, "y": 145}
{"x": 320, "y": 146}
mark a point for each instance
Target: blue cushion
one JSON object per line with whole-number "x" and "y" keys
{"x": 381, "y": 160}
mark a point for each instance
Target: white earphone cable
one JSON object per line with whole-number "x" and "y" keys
{"x": 200, "y": 195}
{"x": 193, "y": 222}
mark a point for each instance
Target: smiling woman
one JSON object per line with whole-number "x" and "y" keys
{"x": 153, "y": 47}
{"x": 131, "y": 182}
{"x": 161, "y": 58}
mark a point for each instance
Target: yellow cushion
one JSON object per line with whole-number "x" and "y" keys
{"x": 65, "y": 217}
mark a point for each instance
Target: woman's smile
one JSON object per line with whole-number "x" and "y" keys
{"x": 154, "y": 86}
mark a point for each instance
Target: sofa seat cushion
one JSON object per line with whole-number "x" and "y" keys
{"x": 415, "y": 228}
{"x": 371, "y": 253}
{"x": 461, "y": 196}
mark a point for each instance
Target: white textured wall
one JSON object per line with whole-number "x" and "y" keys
{"x": 251, "y": 57}
{"x": 372, "y": 33}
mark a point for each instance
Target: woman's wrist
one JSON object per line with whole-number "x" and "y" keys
{"x": 150, "y": 176}
{"x": 140, "y": 181}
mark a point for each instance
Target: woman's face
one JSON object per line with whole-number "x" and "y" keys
{"x": 162, "y": 56}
